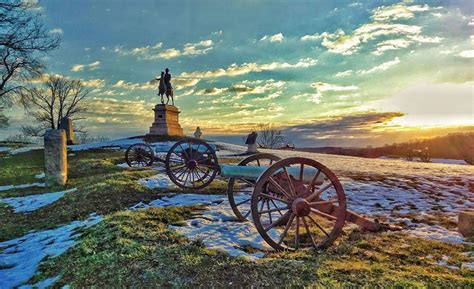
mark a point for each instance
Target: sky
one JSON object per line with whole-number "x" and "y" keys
{"x": 343, "y": 73}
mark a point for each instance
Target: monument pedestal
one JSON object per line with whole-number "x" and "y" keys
{"x": 166, "y": 122}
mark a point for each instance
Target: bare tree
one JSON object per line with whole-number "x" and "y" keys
{"x": 268, "y": 136}
{"x": 3, "y": 118}
{"x": 24, "y": 40}
{"x": 53, "y": 99}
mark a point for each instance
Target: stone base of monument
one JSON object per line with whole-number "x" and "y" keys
{"x": 166, "y": 122}
{"x": 252, "y": 148}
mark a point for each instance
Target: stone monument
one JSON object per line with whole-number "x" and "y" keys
{"x": 55, "y": 157}
{"x": 66, "y": 124}
{"x": 251, "y": 143}
{"x": 197, "y": 132}
{"x": 166, "y": 121}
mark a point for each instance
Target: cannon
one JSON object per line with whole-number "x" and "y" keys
{"x": 295, "y": 203}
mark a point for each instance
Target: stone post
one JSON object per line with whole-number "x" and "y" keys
{"x": 55, "y": 157}
{"x": 466, "y": 223}
{"x": 66, "y": 124}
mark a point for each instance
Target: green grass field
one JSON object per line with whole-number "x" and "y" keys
{"x": 137, "y": 248}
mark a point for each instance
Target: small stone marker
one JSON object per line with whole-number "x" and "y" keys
{"x": 66, "y": 124}
{"x": 251, "y": 143}
{"x": 466, "y": 223}
{"x": 198, "y": 133}
{"x": 55, "y": 157}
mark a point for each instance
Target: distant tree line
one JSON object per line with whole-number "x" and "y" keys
{"x": 451, "y": 146}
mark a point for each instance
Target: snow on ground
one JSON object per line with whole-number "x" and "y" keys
{"x": 22, "y": 186}
{"x": 19, "y": 258}
{"x": 119, "y": 143}
{"x": 435, "y": 160}
{"x": 216, "y": 225}
{"x": 5, "y": 149}
{"x": 34, "y": 202}
{"x": 159, "y": 181}
{"x": 40, "y": 176}
{"x": 25, "y": 149}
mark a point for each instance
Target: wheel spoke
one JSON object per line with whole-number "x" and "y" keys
{"x": 245, "y": 201}
{"x": 318, "y": 212}
{"x": 316, "y": 194}
{"x": 272, "y": 210}
{"x": 277, "y": 221}
{"x": 290, "y": 183}
{"x": 248, "y": 213}
{"x": 324, "y": 202}
{"x": 273, "y": 198}
{"x": 276, "y": 207}
{"x": 287, "y": 227}
{"x": 297, "y": 235}
{"x": 317, "y": 225}
{"x": 301, "y": 172}
{"x": 258, "y": 162}
{"x": 312, "y": 183}
{"x": 269, "y": 213}
{"x": 309, "y": 232}
{"x": 278, "y": 187}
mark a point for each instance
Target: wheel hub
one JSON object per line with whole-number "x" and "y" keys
{"x": 300, "y": 207}
{"x": 191, "y": 164}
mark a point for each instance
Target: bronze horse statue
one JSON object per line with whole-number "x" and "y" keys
{"x": 165, "y": 87}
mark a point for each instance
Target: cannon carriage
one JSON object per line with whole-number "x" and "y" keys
{"x": 295, "y": 203}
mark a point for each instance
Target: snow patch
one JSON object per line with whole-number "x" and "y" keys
{"x": 34, "y": 202}
{"x": 5, "y": 149}
{"x": 216, "y": 225}
{"x": 20, "y": 257}
{"x": 159, "y": 181}
{"x": 25, "y": 149}
{"x": 23, "y": 186}
{"x": 40, "y": 176}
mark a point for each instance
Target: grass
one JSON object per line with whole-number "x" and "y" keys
{"x": 21, "y": 168}
{"x": 137, "y": 249}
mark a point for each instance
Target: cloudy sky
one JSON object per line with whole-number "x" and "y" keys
{"x": 325, "y": 72}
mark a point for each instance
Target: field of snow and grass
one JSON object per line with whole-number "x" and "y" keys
{"x": 423, "y": 198}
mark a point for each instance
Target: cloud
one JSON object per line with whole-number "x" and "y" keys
{"x": 467, "y": 54}
{"x": 244, "y": 88}
{"x": 56, "y": 31}
{"x": 202, "y": 47}
{"x": 273, "y": 38}
{"x": 381, "y": 27}
{"x": 167, "y": 54}
{"x": 156, "y": 52}
{"x": 93, "y": 82}
{"x": 133, "y": 86}
{"x": 234, "y": 69}
{"x": 397, "y": 11}
{"x": 110, "y": 111}
{"x": 382, "y": 67}
{"x": 391, "y": 44}
{"x": 310, "y": 97}
{"x": 432, "y": 104}
{"x": 344, "y": 73}
{"x": 358, "y": 125}
{"x": 81, "y": 67}
{"x": 324, "y": 87}
{"x": 314, "y": 37}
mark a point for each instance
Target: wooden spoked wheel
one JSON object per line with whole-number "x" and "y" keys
{"x": 239, "y": 190}
{"x": 311, "y": 205}
{"x": 139, "y": 155}
{"x": 191, "y": 164}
